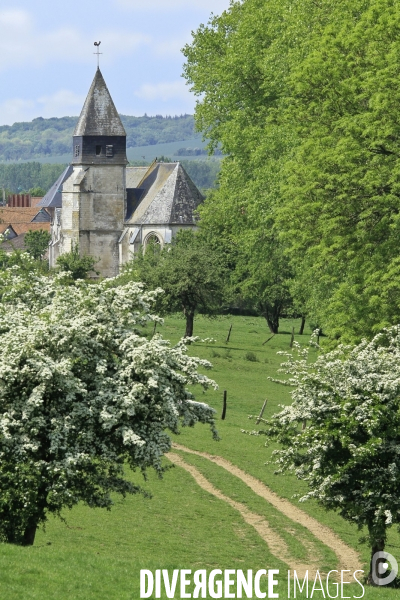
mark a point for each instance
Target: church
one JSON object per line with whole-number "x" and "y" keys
{"x": 104, "y": 206}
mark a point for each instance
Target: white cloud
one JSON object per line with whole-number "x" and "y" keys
{"x": 21, "y": 42}
{"x": 16, "y": 109}
{"x": 162, "y": 91}
{"x": 14, "y": 18}
{"x": 59, "y": 104}
{"x": 215, "y": 6}
{"x": 170, "y": 47}
{"x": 63, "y": 102}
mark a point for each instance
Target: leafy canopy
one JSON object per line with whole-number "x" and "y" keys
{"x": 77, "y": 266}
{"x": 343, "y": 180}
{"x": 191, "y": 271}
{"x": 237, "y": 65}
{"x": 37, "y": 242}
{"x": 303, "y": 97}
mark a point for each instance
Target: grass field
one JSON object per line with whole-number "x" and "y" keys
{"x": 97, "y": 555}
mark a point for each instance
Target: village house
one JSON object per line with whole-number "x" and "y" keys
{"x": 20, "y": 215}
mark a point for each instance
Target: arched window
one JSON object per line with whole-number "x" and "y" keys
{"x": 152, "y": 239}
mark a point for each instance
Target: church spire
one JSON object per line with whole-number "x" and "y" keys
{"x": 99, "y": 116}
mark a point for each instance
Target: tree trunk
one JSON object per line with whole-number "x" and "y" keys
{"x": 189, "y": 323}
{"x": 273, "y": 324}
{"x": 38, "y": 516}
{"x": 271, "y": 314}
{"x": 377, "y": 546}
{"x": 303, "y": 322}
{"x": 29, "y": 535}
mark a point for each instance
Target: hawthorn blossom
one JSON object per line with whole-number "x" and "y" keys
{"x": 84, "y": 393}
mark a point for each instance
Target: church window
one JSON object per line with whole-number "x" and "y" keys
{"x": 77, "y": 150}
{"x": 152, "y": 240}
{"x": 98, "y": 150}
{"x": 109, "y": 151}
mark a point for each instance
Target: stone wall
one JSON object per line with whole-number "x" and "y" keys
{"x": 93, "y": 214}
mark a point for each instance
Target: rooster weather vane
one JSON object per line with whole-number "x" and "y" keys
{"x": 97, "y": 44}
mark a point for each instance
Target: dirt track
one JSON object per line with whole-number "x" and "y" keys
{"x": 347, "y": 557}
{"x": 276, "y": 544}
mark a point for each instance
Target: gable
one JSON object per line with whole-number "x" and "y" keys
{"x": 169, "y": 197}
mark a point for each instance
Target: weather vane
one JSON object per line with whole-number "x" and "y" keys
{"x": 97, "y": 44}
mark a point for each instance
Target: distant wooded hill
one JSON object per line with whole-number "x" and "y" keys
{"x": 28, "y": 176}
{"x": 52, "y": 137}
{"x": 17, "y": 178}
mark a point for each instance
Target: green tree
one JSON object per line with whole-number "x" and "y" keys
{"x": 37, "y": 242}
{"x": 190, "y": 271}
{"x": 241, "y": 218}
{"x": 76, "y": 265}
{"x": 37, "y": 191}
{"x": 204, "y": 173}
{"x": 348, "y": 455}
{"x": 302, "y": 97}
{"x": 25, "y": 176}
{"x": 262, "y": 277}
{"x": 238, "y": 65}
{"x": 343, "y": 179}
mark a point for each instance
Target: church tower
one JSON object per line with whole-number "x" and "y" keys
{"x": 94, "y": 195}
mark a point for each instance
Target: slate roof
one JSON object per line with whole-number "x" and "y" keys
{"x": 53, "y": 197}
{"x": 134, "y": 176}
{"x": 99, "y": 115}
{"x": 16, "y": 243}
{"x": 169, "y": 196}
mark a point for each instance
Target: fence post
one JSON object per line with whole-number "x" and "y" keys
{"x": 261, "y": 412}
{"x": 224, "y": 406}
{"x": 292, "y": 338}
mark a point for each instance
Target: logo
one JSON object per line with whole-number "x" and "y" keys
{"x": 383, "y": 559}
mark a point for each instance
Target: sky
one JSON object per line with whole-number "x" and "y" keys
{"x": 47, "y": 62}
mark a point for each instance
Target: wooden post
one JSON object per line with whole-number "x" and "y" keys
{"x": 270, "y": 338}
{"x": 292, "y": 338}
{"x": 229, "y": 334}
{"x": 155, "y": 327}
{"x": 304, "y": 425}
{"x": 224, "y": 406}
{"x": 261, "y": 412}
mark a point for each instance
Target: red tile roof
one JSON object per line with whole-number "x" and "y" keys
{"x": 18, "y": 214}
{"x": 24, "y": 227}
{"x": 4, "y": 227}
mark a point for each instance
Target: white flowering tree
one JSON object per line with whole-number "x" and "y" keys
{"x": 349, "y": 451}
{"x": 82, "y": 394}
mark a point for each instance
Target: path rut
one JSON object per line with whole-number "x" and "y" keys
{"x": 348, "y": 558}
{"x": 276, "y": 544}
